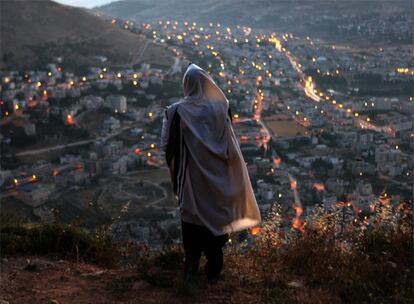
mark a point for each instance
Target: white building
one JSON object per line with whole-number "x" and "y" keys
{"x": 118, "y": 103}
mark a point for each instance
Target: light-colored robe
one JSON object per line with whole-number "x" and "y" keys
{"x": 214, "y": 188}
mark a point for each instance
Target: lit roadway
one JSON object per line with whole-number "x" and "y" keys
{"x": 308, "y": 90}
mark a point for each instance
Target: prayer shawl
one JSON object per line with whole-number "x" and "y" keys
{"x": 207, "y": 168}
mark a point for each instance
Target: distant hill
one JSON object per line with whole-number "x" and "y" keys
{"x": 33, "y": 32}
{"x": 259, "y": 13}
{"x": 275, "y": 15}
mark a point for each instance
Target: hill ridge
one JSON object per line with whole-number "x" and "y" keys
{"x": 33, "y": 33}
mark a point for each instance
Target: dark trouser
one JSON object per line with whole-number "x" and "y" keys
{"x": 198, "y": 239}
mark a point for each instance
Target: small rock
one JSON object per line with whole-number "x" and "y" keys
{"x": 295, "y": 284}
{"x": 4, "y": 302}
{"x": 52, "y": 301}
{"x": 93, "y": 274}
{"x": 4, "y": 260}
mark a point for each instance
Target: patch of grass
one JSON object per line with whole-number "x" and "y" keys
{"x": 329, "y": 261}
{"x": 170, "y": 258}
{"x": 161, "y": 267}
{"x": 370, "y": 263}
{"x": 58, "y": 240}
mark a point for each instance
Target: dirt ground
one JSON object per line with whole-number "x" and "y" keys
{"x": 41, "y": 280}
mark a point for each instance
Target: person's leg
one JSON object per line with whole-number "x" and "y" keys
{"x": 192, "y": 248}
{"x": 214, "y": 254}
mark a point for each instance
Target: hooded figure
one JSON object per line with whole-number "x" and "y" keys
{"x": 212, "y": 183}
{"x": 207, "y": 168}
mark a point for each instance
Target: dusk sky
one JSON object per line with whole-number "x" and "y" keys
{"x": 84, "y": 3}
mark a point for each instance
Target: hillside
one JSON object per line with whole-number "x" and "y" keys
{"x": 260, "y": 13}
{"x": 328, "y": 261}
{"x": 34, "y": 32}
{"x": 317, "y": 18}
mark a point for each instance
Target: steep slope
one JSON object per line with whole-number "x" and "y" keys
{"x": 32, "y": 32}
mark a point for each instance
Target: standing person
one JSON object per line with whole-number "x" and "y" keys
{"x": 208, "y": 172}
